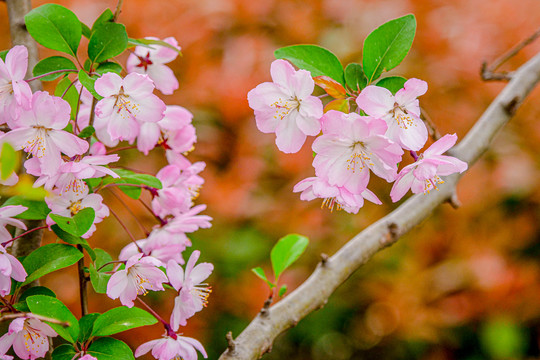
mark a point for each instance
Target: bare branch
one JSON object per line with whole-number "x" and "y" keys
{"x": 258, "y": 337}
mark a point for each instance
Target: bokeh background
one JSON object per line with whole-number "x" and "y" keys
{"x": 463, "y": 285}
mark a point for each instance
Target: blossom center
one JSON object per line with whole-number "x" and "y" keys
{"x": 37, "y": 144}
{"x": 360, "y": 157}
{"x": 6, "y": 90}
{"x": 202, "y": 291}
{"x": 432, "y": 183}
{"x": 124, "y": 105}
{"x": 32, "y": 338}
{"x": 144, "y": 61}
{"x": 402, "y": 117}
{"x": 284, "y": 107}
{"x": 330, "y": 203}
{"x": 75, "y": 207}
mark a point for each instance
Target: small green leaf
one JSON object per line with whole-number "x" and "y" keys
{"x": 260, "y": 273}
{"x": 121, "y": 319}
{"x": 99, "y": 279}
{"x": 103, "y": 257}
{"x": 88, "y": 82}
{"x": 108, "y": 40}
{"x": 503, "y": 339}
{"x": 64, "y": 352}
{"x": 282, "y": 290}
{"x": 49, "y": 258}
{"x": 317, "y": 60}
{"x": 36, "y": 290}
{"x": 3, "y": 54}
{"x": 53, "y": 308}
{"x": 55, "y": 27}
{"x": 37, "y": 210}
{"x": 130, "y": 177}
{"x": 86, "y": 325}
{"x": 149, "y": 42}
{"x": 392, "y": 83}
{"x": 87, "y": 132}
{"x": 110, "y": 349}
{"x": 77, "y": 225}
{"x": 74, "y": 240}
{"x": 386, "y": 47}
{"x": 105, "y": 17}
{"x": 355, "y": 77}
{"x": 287, "y": 250}
{"x": 8, "y": 161}
{"x": 106, "y": 67}
{"x": 86, "y": 32}
{"x": 68, "y": 92}
{"x": 53, "y": 63}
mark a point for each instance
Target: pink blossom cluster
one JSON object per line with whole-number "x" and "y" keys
{"x": 351, "y": 146}
{"x": 64, "y": 163}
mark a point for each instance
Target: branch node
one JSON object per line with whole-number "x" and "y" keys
{"x": 324, "y": 259}
{"x": 391, "y": 236}
{"x": 265, "y": 311}
{"x": 454, "y": 201}
{"x": 512, "y": 106}
{"x": 231, "y": 344}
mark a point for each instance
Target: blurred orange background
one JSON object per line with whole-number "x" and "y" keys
{"x": 463, "y": 285}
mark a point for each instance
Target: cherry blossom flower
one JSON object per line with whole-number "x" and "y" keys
{"x": 401, "y": 112}
{"x": 69, "y": 203}
{"x": 15, "y": 93}
{"x": 10, "y": 268}
{"x": 286, "y": 107}
{"x": 127, "y": 104}
{"x": 350, "y": 146}
{"x": 178, "y": 132}
{"x": 87, "y": 357}
{"x": 189, "y": 221}
{"x": 140, "y": 275}
{"x": 151, "y": 60}
{"x": 172, "y": 348}
{"x": 334, "y": 196}
{"x": 193, "y": 294}
{"x": 39, "y": 132}
{"x": 28, "y": 336}
{"x": 424, "y": 174}
{"x": 6, "y": 218}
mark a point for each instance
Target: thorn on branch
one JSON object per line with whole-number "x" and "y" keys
{"x": 231, "y": 344}
{"x": 324, "y": 259}
{"x": 454, "y": 201}
{"x": 512, "y": 106}
{"x": 265, "y": 311}
{"x": 487, "y": 74}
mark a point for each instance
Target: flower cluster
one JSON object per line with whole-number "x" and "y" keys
{"x": 351, "y": 146}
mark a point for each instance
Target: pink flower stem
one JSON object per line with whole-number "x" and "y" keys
{"x": 69, "y": 87}
{"x": 110, "y": 263}
{"x": 414, "y": 155}
{"x": 23, "y": 234}
{"x": 75, "y": 123}
{"x": 167, "y": 326}
{"x": 51, "y": 73}
{"x": 143, "y": 228}
{"x": 161, "y": 221}
{"x": 126, "y": 229}
{"x": 121, "y": 148}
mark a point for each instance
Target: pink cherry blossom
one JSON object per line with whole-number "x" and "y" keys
{"x": 28, "y": 336}
{"x": 6, "y": 218}
{"x": 69, "y": 203}
{"x": 350, "y": 146}
{"x": 178, "y": 132}
{"x": 10, "y": 268}
{"x": 127, "y": 104}
{"x": 87, "y": 357}
{"x": 151, "y": 60}
{"x": 424, "y": 174}
{"x": 172, "y": 348}
{"x": 286, "y": 107}
{"x": 193, "y": 294}
{"x": 401, "y": 112}
{"x": 39, "y": 131}
{"x": 189, "y": 221}
{"x": 15, "y": 93}
{"x": 140, "y": 275}
{"x": 334, "y": 196}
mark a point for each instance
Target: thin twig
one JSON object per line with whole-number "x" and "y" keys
{"x": 118, "y": 10}
{"x": 126, "y": 229}
{"x": 83, "y": 282}
{"x": 141, "y": 225}
{"x": 35, "y": 316}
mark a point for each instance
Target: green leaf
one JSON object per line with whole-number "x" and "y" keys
{"x": 387, "y": 46}
{"x": 105, "y": 17}
{"x": 79, "y": 224}
{"x": 287, "y": 250}
{"x": 49, "y": 258}
{"x": 69, "y": 93}
{"x": 503, "y": 339}
{"x": 55, "y": 27}
{"x": 8, "y": 161}
{"x": 88, "y": 82}
{"x": 106, "y": 67}
{"x": 130, "y": 177}
{"x": 317, "y": 60}
{"x": 86, "y": 325}
{"x": 53, "y": 63}
{"x": 392, "y": 83}
{"x": 355, "y": 77}
{"x": 103, "y": 257}
{"x": 108, "y": 40}
{"x": 74, "y": 240}
{"x": 36, "y": 290}
{"x": 110, "y": 349}
{"x": 53, "y": 308}
{"x": 282, "y": 290}
{"x": 86, "y": 32}
{"x": 99, "y": 279}
{"x": 260, "y": 273}
{"x": 121, "y": 319}
{"x": 64, "y": 352}
{"x": 37, "y": 210}
{"x": 3, "y": 54}
{"x": 149, "y": 42}
{"x": 87, "y": 132}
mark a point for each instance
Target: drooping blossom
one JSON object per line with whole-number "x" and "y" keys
{"x": 29, "y": 338}
{"x": 178, "y": 132}
{"x": 151, "y": 60}
{"x": 350, "y": 146}
{"x": 192, "y": 292}
{"x": 172, "y": 348}
{"x": 334, "y": 196}
{"x": 6, "y": 218}
{"x": 401, "y": 112}
{"x": 15, "y": 93}
{"x": 10, "y": 268}
{"x": 39, "y": 131}
{"x": 424, "y": 174}
{"x": 286, "y": 106}
{"x": 140, "y": 275}
{"x": 126, "y": 105}
{"x": 69, "y": 203}
{"x": 189, "y": 221}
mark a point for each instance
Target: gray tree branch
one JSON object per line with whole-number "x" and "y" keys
{"x": 313, "y": 294}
